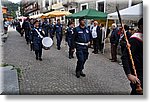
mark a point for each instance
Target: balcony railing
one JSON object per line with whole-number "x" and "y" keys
{"x": 66, "y": 3}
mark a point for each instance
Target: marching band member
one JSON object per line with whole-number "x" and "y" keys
{"x": 37, "y": 37}
{"x": 81, "y": 40}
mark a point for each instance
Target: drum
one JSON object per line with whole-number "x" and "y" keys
{"x": 47, "y": 43}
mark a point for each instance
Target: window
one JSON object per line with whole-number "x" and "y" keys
{"x": 84, "y": 6}
{"x": 134, "y": 3}
{"x": 100, "y": 5}
{"x": 63, "y": 17}
{"x": 47, "y": 3}
{"x": 72, "y": 11}
{"x": 43, "y": 3}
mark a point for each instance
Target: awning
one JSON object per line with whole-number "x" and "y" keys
{"x": 36, "y": 16}
{"x": 56, "y": 14}
{"x": 89, "y": 14}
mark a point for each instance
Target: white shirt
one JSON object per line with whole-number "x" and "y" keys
{"x": 94, "y": 33}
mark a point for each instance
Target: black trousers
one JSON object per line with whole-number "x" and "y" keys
{"x": 59, "y": 39}
{"x": 82, "y": 56}
{"x": 114, "y": 51}
{"x": 122, "y": 48}
{"x": 95, "y": 44}
{"x": 38, "y": 53}
{"x": 70, "y": 47}
{"x": 27, "y": 32}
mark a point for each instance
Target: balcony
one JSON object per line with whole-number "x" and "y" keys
{"x": 29, "y": 10}
{"x": 28, "y": 4}
{"x": 66, "y": 3}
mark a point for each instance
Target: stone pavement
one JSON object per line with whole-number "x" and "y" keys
{"x": 56, "y": 73}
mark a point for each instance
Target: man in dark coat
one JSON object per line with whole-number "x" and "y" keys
{"x": 114, "y": 39}
{"x": 59, "y": 33}
{"x": 69, "y": 39}
{"x": 45, "y": 27}
{"x": 136, "y": 46}
{"x": 51, "y": 29}
{"x": 27, "y": 28}
{"x": 81, "y": 40}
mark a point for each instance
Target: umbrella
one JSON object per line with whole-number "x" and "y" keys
{"x": 89, "y": 14}
{"x": 56, "y": 14}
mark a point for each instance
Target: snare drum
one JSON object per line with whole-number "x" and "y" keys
{"x": 47, "y": 43}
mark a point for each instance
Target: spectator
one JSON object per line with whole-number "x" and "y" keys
{"x": 114, "y": 42}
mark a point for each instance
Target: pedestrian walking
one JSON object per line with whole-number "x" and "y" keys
{"x": 6, "y": 24}
{"x": 136, "y": 46}
{"x": 114, "y": 38}
{"x": 45, "y": 27}
{"x": 95, "y": 30}
{"x": 59, "y": 30}
{"x": 69, "y": 35}
{"x": 37, "y": 36}
{"x": 81, "y": 40}
{"x": 51, "y": 29}
{"x": 26, "y": 27}
{"x": 18, "y": 27}
{"x": 30, "y": 34}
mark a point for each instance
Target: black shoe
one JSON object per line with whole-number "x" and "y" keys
{"x": 93, "y": 51}
{"x": 78, "y": 74}
{"x": 114, "y": 61}
{"x": 110, "y": 59}
{"x": 70, "y": 57}
{"x": 40, "y": 59}
{"x": 58, "y": 48}
{"x": 82, "y": 74}
{"x": 37, "y": 58}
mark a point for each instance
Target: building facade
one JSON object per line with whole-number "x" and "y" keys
{"x": 35, "y": 7}
{"x": 30, "y": 7}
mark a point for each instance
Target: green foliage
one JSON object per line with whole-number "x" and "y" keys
{"x": 5, "y": 64}
{"x": 12, "y": 7}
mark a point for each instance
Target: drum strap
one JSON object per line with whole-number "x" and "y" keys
{"x": 39, "y": 33}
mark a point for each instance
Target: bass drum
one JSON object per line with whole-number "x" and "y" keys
{"x": 47, "y": 43}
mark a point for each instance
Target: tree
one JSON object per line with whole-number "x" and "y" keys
{"x": 12, "y": 7}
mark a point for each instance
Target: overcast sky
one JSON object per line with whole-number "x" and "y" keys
{"x": 15, "y": 1}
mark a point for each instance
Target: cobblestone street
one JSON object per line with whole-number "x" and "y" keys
{"x": 56, "y": 73}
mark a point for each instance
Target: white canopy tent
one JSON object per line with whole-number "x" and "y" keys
{"x": 131, "y": 13}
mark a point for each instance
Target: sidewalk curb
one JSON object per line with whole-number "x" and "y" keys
{"x": 10, "y": 84}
